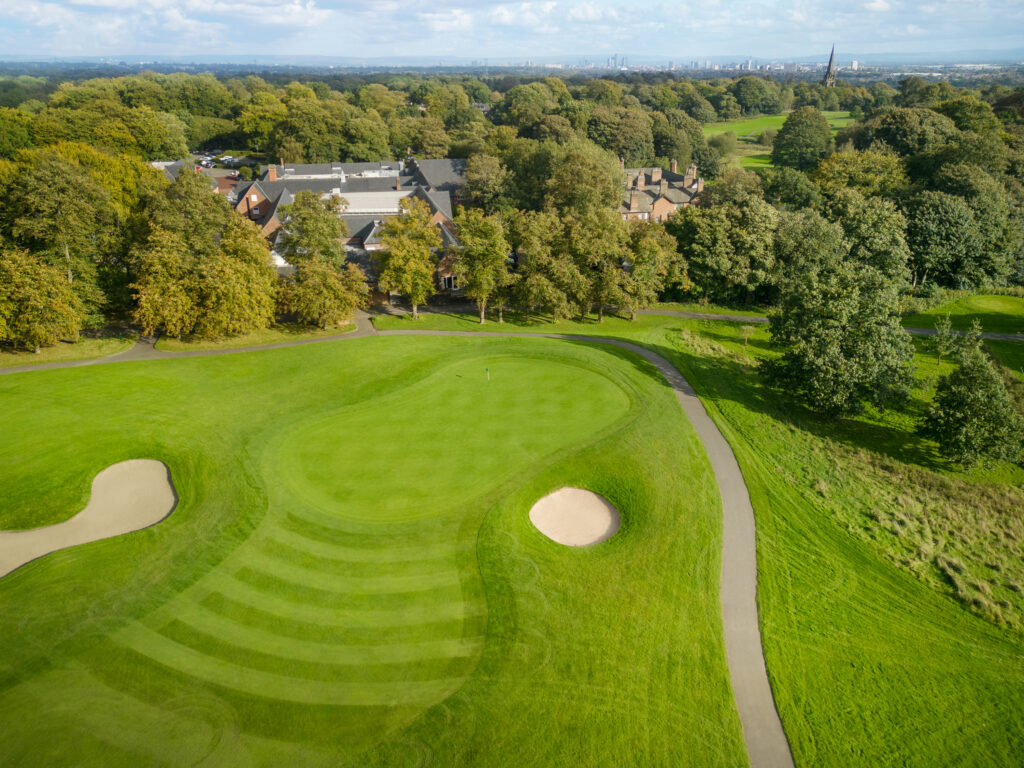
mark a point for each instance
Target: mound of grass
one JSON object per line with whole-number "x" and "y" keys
{"x": 997, "y": 314}
{"x": 351, "y": 576}
{"x": 83, "y": 349}
{"x": 890, "y": 583}
{"x": 275, "y": 334}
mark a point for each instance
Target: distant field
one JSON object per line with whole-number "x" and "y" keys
{"x": 997, "y": 314}
{"x": 753, "y": 155}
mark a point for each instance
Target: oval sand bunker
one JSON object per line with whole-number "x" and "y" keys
{"x": 575, "y": 517}
{"x": 126, "y": 497}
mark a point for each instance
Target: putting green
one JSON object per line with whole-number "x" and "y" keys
{"x": 351, "y": 576}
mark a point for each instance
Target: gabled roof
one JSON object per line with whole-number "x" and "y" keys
{"x": 445, "y": 175}
{"x": 438, "y": 201}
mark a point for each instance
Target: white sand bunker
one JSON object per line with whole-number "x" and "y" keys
{"x": 125, "y": 497}
{"x": 575, "y": 517}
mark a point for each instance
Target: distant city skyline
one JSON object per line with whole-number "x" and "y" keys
{"x": 380, "y": 29}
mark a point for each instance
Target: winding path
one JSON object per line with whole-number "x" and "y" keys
{"x": 765, "y": 739}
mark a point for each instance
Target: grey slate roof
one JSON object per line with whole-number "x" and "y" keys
{"x": 445, "y": 175}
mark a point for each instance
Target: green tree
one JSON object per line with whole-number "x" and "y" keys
{"x": 728, "y": 248}
{"x": 37, "y": 305}
{"x": 166, "y": 286}
{"x": 487, "y": 181}
{"x": 595, "y": 240}
{"x": 312, "y": 229}
{"x": 548, "y": 278}
{"x": 803, "y": 140}
{"x": 944, "y": 240}
{"x": 945, "y": 340}
{"x": 481, "y": 260}
{"x": 972, "y": 417}
{"x": 652, "y": 264}
{"x": 876, "y": 233}
{"x": 837, "y": 323}
{"x": 408, "y": 259}
{"x": 322, "y": 294}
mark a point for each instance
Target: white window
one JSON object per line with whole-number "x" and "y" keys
{"x": 254, "y": 197}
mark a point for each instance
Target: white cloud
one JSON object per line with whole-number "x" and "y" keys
{"x": 877, "y": 5}
{"x": 591, "y": 11}
{"x": 523, "y": 14}
{"x": 452, "y": 20}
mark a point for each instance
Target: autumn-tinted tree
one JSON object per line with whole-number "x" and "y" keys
{"x": 322, "y": 294}
{"x": 972, "y": 417}
{"x": 408, "y": 257}
{"x": 871, "y": 172}
{"x": 59, "y": 212}
{"x": 166, "y": 289}
{"x": 37, "y": 304}
{"x": 237, "y": 286}
{"x": 481, "y": 259}
{"x": 804, "y": 139}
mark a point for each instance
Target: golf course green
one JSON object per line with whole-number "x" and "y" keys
{"x": 350, "y": 576}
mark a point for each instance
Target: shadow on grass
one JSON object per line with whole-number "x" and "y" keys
{"x": 720, "y": 379}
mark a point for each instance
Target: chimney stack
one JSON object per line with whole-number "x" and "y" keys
{"x": 700, "y": 186}
{"x": 634, "y": 201}
{"x": 398, "y": 182}
{"x": 674, "y": 165}
{"x": 655, "y": 175}
{"x": 691, "y": 175}
{"x": 640, "y": 180}
{"x": 271, "y": 173}
{"x": 663, "y": 188}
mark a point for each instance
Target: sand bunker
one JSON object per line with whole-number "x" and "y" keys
{"x": 125, "y": 497}
{"x": 575, "y": 517}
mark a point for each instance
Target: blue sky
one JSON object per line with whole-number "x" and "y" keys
{"x": 681, "y": 30}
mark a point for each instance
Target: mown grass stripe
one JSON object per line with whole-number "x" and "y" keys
{"x": 343, "y": 600}
{"x": 417, "y": 613}
{"x": 350, "y": 554}
{"x": 250, "y": 616}
{"x": 313, "y": 669}
{"x": 256, "y": 639}
{"x": 337, "y": 578}
{"x": 168, "y": 653}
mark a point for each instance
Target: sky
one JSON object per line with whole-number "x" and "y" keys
{"x": 680, "y": 30}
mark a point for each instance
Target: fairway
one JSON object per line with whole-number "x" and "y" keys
{"x": 749, "y": 153}
{"x": 997, "y": 314}
{"x": 351, "y": 576}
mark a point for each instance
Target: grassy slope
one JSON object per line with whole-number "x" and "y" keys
{"x": 277, "y": 333}
{"x": 860, "y": 533}
{"x": 997, "y": 314}
{"x": 322, "y": 584}
{"x": 80, "y": 350}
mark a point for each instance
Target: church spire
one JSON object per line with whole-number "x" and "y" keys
{"x": 829, "y": 81}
